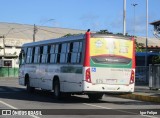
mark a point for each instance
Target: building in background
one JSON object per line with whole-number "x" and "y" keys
{"x": 156, "y": 25}
{"x": 13, "y": 36}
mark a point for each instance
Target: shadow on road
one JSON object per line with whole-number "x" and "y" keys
{"x": 7, "y": 92}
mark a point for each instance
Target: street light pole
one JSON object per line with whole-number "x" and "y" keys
{"x": 134, "y": 5}
{"x": 146, "y": 49}
{"x": 124, "y": 17}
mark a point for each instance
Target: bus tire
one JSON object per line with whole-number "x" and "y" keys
{"x": 96, "y": 96}
{"x": 28, "y": 87}
{"x": 56, "y": 87}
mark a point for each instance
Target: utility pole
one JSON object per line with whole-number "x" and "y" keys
{"x": 34, "y": 32}
{"x": 124, "y": 17}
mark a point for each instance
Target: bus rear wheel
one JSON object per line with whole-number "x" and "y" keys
{"x": 95, "y": 96}
{"x": 56, "y": 87}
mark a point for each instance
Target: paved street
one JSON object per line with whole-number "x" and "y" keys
{"x": 14, "y": 96}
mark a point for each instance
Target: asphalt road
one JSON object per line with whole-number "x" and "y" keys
{"x": 14, "y": 96}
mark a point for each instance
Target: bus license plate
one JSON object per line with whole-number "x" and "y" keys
{"x": 106, "y": 81}
{"x": 111, "y": 81}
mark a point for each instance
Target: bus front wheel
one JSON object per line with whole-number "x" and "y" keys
{"x": 28, "y": 87}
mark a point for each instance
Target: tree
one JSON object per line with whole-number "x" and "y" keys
{"x": 67, "y": 35}
{"x": 156, "y": 59}
{"x": 139, "y": 46}
{"x": 104, "y": 32}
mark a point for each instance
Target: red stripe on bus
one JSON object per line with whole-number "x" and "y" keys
{"x": 133, "y": 55}
{"x": 87, "y": 50}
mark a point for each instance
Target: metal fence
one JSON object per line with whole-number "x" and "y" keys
{"x": 154, "y": 76}
{"x": 142, "y": 75}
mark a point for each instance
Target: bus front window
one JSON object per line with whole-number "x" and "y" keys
{"x": 21, "y": 58}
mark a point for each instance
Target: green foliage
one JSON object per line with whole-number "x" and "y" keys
{"x": 67, "y": 35}
{"x": 104, "y": 32}
{"x": 139, "y": 47}
{"x": 119, "y": 34}
{"x": 156, "y": 59}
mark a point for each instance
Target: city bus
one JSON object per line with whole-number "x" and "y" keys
{"x": 87, "y": 64}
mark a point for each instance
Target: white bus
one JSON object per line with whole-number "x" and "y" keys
{"x": 91, "y": 64}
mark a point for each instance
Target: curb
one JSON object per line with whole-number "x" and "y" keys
{"x": 141, "y": 97}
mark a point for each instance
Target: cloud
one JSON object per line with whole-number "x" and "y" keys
{"x": 89, "y": 17}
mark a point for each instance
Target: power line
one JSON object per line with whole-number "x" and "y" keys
{"x": 21, "y": 31}
{"x": 51, "y": 31}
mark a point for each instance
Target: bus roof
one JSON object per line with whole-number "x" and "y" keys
{"x": 71, "y": 38}
{"x": 110, "y": 35}
{"x": 50, "y": 41}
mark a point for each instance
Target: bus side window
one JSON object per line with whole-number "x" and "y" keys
{"x": 32, "y": 58}
{"x": 40, "y": 54}
{"x": 58, "y": 54}
{"x": 64, "y": 53}
{"x": 52, "y": 53}
{"x": 36, "y": 54}
{"x": 48, "y": 54}
{"x": 75, "y": 53}
{"x": 29, "y": 55}
{"x": 79, "y": 56}
{"x": 70, "y": 48}
{"x": 44, "y": 54}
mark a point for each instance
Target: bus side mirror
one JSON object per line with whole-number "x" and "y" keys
{"x": 21, "y": 58}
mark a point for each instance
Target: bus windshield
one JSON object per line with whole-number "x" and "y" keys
{"x": 111, "y": 60}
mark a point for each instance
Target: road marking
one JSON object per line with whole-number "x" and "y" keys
{"x": 149, "y": 116}
{"x": 96, "y": 106}
{"x": 118, "y": 110}
{"x": 12, "y": 107}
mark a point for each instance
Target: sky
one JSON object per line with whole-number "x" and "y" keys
{"x": 82, "y": 14}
